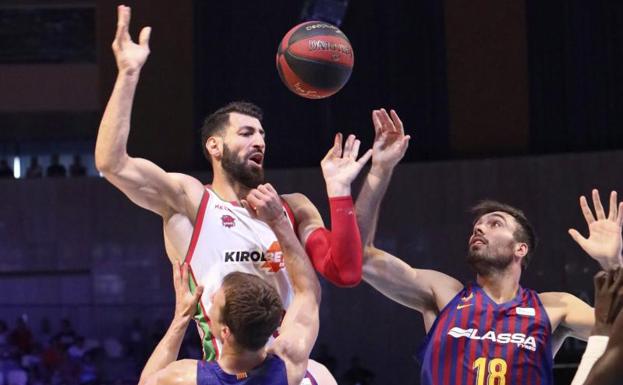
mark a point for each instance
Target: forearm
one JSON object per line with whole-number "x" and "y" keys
{"x": 369, "y": 202}
{"x": 337, "y": 254}
{"x": 168, "y": 348}
{"x": 112, "y": 137}
{"x": 298, "y": 265}
{"x": 594, "y": 350}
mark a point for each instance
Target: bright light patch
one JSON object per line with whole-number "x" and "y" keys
{"x": 17, "y": 170}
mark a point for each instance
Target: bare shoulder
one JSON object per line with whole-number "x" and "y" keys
{"x": 182, "y": 372}
{"x": 296, "y": 365}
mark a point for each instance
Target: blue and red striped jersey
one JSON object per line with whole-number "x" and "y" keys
{"x": 475, "y": 341}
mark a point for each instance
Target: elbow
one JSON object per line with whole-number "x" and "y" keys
{"x": 347, "y": 279}
{"x": 108, "y": 163}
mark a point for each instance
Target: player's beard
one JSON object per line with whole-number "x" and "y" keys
{"x": 490, "y": 258}
{"x": 239, "y": 171}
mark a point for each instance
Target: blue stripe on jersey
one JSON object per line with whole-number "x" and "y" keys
{"x": 486, "y": 329}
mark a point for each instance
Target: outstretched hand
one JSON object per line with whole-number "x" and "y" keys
{"x": 130, "y": 56}
{"x": 340, "y": 166}
{"x": 604, "y": 240}
{"x": 185, "y": 300}
{"x": 390, "y": 141}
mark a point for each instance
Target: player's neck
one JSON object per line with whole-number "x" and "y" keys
{"x": 234, "y": 361}
{"x": 228, "y": 190}
{"x": 500, "y": 286}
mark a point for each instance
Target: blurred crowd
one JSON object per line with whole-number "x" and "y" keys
{"x": 63, "y": 357}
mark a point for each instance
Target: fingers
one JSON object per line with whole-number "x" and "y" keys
{"x": 397, "y": 122}
{"x": 143, "y": 38}
{"x": 599, "y": 209}
{"x": 336, "y": 150}
{"x": 620, "y": 215}
{"x": 586, "y": 211}
{"x": 177, "y": 268}
{"x": 599, "y": 280}
{"x": 348, "y": 146}
{"x": 577, "y": 237}
{"x": 198, "y": 294}
{"x": 123, "y": 21}
{"x": 249, "y": 208}
{"x": 376, "y": 122}
{"x": 365, "y": 157}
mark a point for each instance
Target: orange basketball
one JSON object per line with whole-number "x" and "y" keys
{"x": 315, "y": 59}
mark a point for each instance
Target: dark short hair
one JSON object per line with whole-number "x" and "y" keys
{"x": 252, "y": 310}
{"x": 217, "y": 120}
{"x": 524, "y": 233}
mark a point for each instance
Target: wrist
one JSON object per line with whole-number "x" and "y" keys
{"x": 280, "y": 225}
{"x": 128, "y": 74}
{"x": 381, "y": 171}
{"x": 181, "y": 321}
{"x": 337, "y": 189}
{"x": 600, "y": 329}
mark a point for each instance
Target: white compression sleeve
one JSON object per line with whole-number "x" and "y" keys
{"x": 595, "y": 348}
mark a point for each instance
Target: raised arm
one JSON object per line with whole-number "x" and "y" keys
{"x": 390, "y": 145}
{"x": 419, "y": 289}
{"x": 142, "y": 181}
{"x": 162, "y": 367}
{"x": 427, "y": 291}
{"x": 335, "y": 253}
{"x": 299, "y": 327}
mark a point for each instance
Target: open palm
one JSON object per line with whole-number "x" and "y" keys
{"x": 340, "y": 166}
{"x": 604, "y": 240}
{"x": 390, "y": 141}
{"x": 130, "y": 56}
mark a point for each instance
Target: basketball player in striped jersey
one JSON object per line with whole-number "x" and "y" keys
{"x": 246, "y": 311}
{"x": 491, "y": 331}
{"x": 207, "y": 226}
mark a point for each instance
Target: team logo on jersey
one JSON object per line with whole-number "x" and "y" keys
{"x": 270, "y": 261}
{"x": 521, "y": 340}
{"x": 228, "y": 221}
{"x": 469, "y": 297}
{"x": 527, "y": 311}
{"x": 274, "y": 259}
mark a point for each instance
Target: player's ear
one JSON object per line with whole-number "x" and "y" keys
{"x": 214, "y": 146}
{"x": 521, "y": 249}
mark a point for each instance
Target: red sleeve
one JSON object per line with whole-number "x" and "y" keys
{"x": 337, "y": 254}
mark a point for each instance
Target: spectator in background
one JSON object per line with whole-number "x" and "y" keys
{"x": 34, "y": 169}
{"x": 21, "y": 337}
{"x": 56, "y": 169}
{"x": 67, "y": 335}
{"x": 44, "y": 337}
{"x": 5, "y": 170}
{"x": 76, "y": 168}
{"x": 4, "y": 338}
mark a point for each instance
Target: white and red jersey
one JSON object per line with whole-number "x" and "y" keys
{"x": 226, "y": 238}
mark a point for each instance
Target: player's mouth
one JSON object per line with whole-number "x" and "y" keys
{"x": 477, "y": 241}
{"x": 257, "y": 158}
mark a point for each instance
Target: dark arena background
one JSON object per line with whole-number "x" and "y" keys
{"x": 519, "y": 101}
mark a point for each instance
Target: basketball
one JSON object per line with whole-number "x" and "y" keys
{"x": 315, "y": 59}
